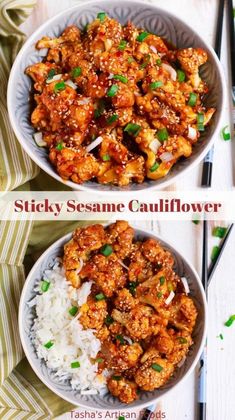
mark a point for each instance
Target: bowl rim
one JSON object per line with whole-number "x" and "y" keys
{"x": 138, "y": 231}
{"x": 82, "y": 187}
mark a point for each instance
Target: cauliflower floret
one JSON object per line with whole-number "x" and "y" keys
{"x": 93, "y": 313}
{"x": 154, "y": 373}
{"x": 122, "y": 388}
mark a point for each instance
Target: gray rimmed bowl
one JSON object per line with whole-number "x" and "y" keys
{"x": 143, "y": 15}
{"x": 107, "y": 402}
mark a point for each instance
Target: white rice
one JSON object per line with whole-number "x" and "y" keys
{"x": 71, "y": 343}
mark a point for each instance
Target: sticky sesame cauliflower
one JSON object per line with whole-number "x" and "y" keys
{"x": 138, "y": 306}
{"x": 116, "y": 104}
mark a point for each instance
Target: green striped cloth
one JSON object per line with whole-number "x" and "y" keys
{"x": 22, "y": 394}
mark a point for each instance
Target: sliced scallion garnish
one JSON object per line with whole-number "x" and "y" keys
{"x": 122, "y": 45}
{"x": 162, "y": 134}
{"x": 157, "y": 367}
{"x": 141, "y": 37}
{"x": 112, "y": 91}
{"x": 108, "y": 320}
{"x": 49, "y": 344}
{"x": 121, "y": 78}
{"x": 112, "y": 119}
{"x": 77, "y": 71}
{"x": 219, "y": 232}
{"x": 214, "y": 253}
{"x": 155, "y": 85}
{"x": 200, "y": 122}
{"x": 154, "y": 167}
{"x": 132, "y": 129}
{"x": 159, "y": 62}
{"x": 225, "y": 133}
{"x": 162, "y": 280}
{"x": 101, "y": 16}
{"x": 51, "y": 74}
{"x": 182, "y": 340}
{"x": 59, "y": 146}
{"x": 192, "y": 99}
{"x": 73, "y": 310}
{"x": 159, "y": 295}
{"x": 230, "y": 321}
{"x": 180, "y": 76}
{"x": 59, "y": 86}
{"x": 120, "y": 338}
{"x": 75, "y": 365}
{"x": 116, "y": 378}
{"x": 45, "y": 286}
{"x": 106, "y": 250}
{"x": 106, "y": 157}
{"x": 100, "y": 296}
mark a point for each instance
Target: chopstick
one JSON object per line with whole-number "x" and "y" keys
{"x": 232, "y": 41}
{"x": 215, "y": 263}
{"x": 202, "y": 371}
{"x": 208, "y": 160}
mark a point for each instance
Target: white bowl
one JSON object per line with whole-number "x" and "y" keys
{"x": 143, "y": 15}
{"x": 107, "y": 402}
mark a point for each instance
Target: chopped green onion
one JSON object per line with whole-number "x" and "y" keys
{"x": 157, "y": 367}
{"x": 162, "y": 280}
{"x": 101, "y": 16}
{"x": 155, "y": 85}
{"x": 225, "y": 133}
{"x": 121, "y": 78}
{"x": 60, "y": 146}
{"x": 51, "y": 74}
{"x": 230, "y": 321}
{"x": 141, "y": 37}
{"x": 181, "y": 76}
{"x": 154, "y": 167}
{"x": 162, "y": 134}
{"x": 45, "y": 286}
{"x": 100, "y": 110}
{"x": 120, "y": 338}
{"x": 106, "y": 158}
{"x": 77, "y": 71}
{"x": 59, "y": 86}
{"x": 200, "y": 122}
{"x": 75, "y": 365}
{"x": 112, "y": 119}
{"x": 146, "y": 62}
{"x": 49, "y": 344}
{"x": 192, "y": 99}
{"x": 132, "y": 287}
{"x": 100, "y": 296}
{"x": 159, "y": 62}
{"x": 182, "y": 340}
{"x": 122, "y": 45}
{"x": 112, "y": 91}
{"x": 130, "y": 60}
{"x": 219, "y": 232}
{"x": 215, "y": 253}
{"x": 73, "y": 310}
{"x": 116, "y": 378}
{"x": 121, "y": 418}
{"x": 108, "y": 320}
{"x": 106, "y": 250}
{"x": 159, "y": 295}
{"x": 196, "y": 221}
{"x": 99, "y": 360}
{"x": 220, "y": 336}
{"x": 132, "y": 129}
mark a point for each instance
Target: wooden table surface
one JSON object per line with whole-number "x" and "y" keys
{"x": 181, "y": 403}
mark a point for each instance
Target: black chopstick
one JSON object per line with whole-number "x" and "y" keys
{"x": 208, "y": 160}
{"x": 214, "y": 264}
{"x": 202, "y": 371}
{"x": 232, "y": 40}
